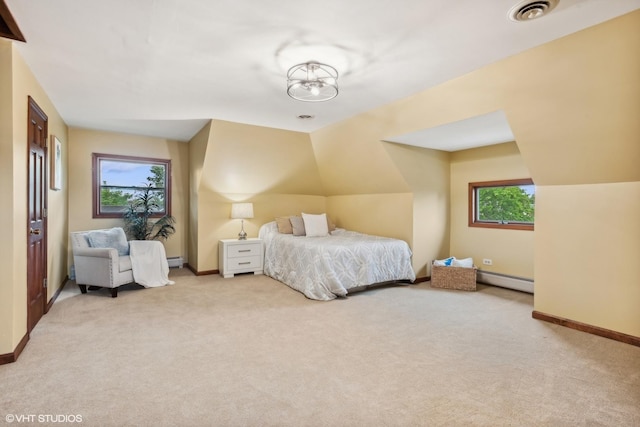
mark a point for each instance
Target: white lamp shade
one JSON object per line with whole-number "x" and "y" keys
{"x": 241, "y": 210}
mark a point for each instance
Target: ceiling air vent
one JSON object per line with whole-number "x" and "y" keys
{"x": 531, "y": 9}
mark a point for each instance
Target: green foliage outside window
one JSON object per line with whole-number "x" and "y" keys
{"x": 506, "y": 204}
{"x": 110, "y": 197}
{"x": 157, "y": 180}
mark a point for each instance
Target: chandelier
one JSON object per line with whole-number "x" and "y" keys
{"x": 312, "y": 82}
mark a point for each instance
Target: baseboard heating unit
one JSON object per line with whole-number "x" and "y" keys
{"x": 175, "y": 262}
{"x": 505, "y": 281}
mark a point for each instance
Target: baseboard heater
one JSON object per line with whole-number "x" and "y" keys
{"x": 175, "y": 262}
{"x": 505, "y": 281}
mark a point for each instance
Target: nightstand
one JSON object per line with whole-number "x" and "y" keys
{"x": 240, "y": 256}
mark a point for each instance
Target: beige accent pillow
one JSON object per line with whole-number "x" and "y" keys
{"x": 284, "y": 225}
{"x": 330, "y": 225}
{"x": 298, "y": 225}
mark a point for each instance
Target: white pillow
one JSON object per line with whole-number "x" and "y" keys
{"x": 467, "y": 263}
{"x": 315, "y": 225}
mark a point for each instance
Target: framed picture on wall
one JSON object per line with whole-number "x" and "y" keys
{"x": 56, "y": 163}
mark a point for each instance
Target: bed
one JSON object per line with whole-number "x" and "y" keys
{"x": 323, "y": 268}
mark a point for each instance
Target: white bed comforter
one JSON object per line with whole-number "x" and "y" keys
{"x": 323, "y": 268}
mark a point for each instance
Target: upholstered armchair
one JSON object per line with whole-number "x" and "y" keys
{"x": 101, "y": 258}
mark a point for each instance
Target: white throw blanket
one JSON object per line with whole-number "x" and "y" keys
{"x": 149, "y": 263}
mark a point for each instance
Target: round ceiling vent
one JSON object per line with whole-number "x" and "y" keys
{"x": 531, "y": 9}
{"x": 305, "y": 116}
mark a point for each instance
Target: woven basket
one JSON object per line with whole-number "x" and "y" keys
{"x": 460, "y": 278}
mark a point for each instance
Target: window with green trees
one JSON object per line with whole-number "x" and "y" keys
{"x": 117, "y": 180}
{"x": 506, "y": 204}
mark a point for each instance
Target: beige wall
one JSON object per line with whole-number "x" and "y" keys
{"x": 7, "y": 286}
{"x": 588, "y": 268}
{"x": 83, "y": 142}
{"x": 510, "y": 250}
{"x": 352, "y": 158}
{"x": 573, "y": 107}
{"x": 370, "y": 213}
{"x": 245, "y": 159}
{"x": 427, "y": 172}
{"x": 197, "y": 150}
{"x": 382, "y": 188}
{"x": 16, "y": 84}
{"x": 274, "y": 169}
{"x": 589, "y": 137}
{"x": 278, "y": 171}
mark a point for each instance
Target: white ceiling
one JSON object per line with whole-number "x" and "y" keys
{"x": 487, "y": 129}
{"x": 164, "y": 67}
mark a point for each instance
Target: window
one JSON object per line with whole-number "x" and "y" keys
{"x": 502, "y": 204}
{"x": 116, "y": 179}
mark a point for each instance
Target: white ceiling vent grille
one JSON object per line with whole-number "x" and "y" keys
{"x": 531, "y": 9}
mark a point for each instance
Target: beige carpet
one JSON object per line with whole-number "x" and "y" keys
{"x": 249, "y": 351}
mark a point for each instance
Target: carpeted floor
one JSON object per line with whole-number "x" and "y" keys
{"x": 249, "y": 351}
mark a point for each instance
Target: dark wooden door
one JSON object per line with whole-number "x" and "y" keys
{"x": 37, "y": 222}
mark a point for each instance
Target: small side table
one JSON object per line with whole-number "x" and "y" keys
{"x": 240, "y": 256}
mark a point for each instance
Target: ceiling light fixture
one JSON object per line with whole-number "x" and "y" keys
{"x": 312, "y": 82}
{"x": 528, "y": 10}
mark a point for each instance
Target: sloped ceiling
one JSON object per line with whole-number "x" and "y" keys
{"x": 163, "y": 67}
{"x": 478, "y": 131}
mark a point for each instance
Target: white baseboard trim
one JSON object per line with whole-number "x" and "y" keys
{"x": 505, "y": 281}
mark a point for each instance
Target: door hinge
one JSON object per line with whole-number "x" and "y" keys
{"x": 44, "y": 212}
{"x": 44, "y": 283}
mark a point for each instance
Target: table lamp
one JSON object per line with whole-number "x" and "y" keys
{"x": 242, "y": 211}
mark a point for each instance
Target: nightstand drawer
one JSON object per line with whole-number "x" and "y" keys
{"x": 245, "y": 263}
{"x": 246, "y": 250}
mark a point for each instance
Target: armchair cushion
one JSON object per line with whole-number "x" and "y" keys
{"x": 113, "y": 238}
{"x": 124, "y": 263}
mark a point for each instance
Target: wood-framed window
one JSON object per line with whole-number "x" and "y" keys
{"x": 506, "y": 204}
{"x": 116, "y": 179}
